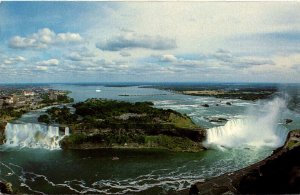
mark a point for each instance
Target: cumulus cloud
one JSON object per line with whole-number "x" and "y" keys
{"x": 41, "y": 68}
{"x": 81, "y": 54}
{"x": 214, "y": 62}
{"x": 42, "y": 39}
{"x": 136, "y": 41}
{"x": 12, "y": 60}
{"x": 168, "y": 58}
{"x": 125, "y": 54}
{"x": 50, "y": 62}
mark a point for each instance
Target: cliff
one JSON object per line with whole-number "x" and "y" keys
{"x": 2, "y": 129}
{"x": 277, "y": 174}
{"x": 5, "y": 188}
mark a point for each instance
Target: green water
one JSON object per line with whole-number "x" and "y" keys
{"x": 136, "y": 171}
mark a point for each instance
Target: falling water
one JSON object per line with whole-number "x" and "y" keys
{"x": 259, "y": 128}
{"x": 33, "y": 135}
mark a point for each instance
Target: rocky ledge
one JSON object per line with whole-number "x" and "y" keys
{"x": 2, "y": 129}
{"x": 5, "y": 188}
{"x": 277, "y": 174}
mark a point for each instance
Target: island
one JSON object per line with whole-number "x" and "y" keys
{"x": 102, "y": 123}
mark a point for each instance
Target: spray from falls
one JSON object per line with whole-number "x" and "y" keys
{"x": 260, "y": 128}
{"x": 33, "y": 135}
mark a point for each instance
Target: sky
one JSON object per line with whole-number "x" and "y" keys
{"x": 149, "y": 42}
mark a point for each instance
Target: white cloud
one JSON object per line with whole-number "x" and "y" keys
{"x": 41, "y": 68}
{"x": 69, "y": 37}
{"x": 125, "y": 54}
{"x": 137, "y": 41}
{"x": 20, "y": 58}
{"x": 168, "y": 58}
{"x": 7, "y": 62}
{"x": 12, "y": 60}
{"x": 50, "y": 62}
{"x": 43, "y": 38}
{"x": 81, "y": 54}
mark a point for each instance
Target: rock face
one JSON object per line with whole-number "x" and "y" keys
{"x": 6, "y": 188}
{"x": 277, "y": 174}
{"x": 205, "y": 105}
{"x": 2, "y": 129}
{"x": 287, "y": 121}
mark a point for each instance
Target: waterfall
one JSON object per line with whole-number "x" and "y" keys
{"x": 33, "y": 135}
{"x": 259, "y": 128}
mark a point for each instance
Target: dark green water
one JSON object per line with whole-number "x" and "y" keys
{"x": 136, "y": 171}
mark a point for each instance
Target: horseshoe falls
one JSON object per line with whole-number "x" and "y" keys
{"x": 259, "y": 128}
{"x": 33, "y": 136}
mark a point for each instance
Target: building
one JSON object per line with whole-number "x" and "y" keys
{"x": 9, "y": 99}
{"x": 52, "y": 96}
{"x": 28, "y": 93}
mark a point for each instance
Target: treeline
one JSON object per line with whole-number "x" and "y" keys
{"x": 58, "y": 115}
{"x": 11, "y": 112}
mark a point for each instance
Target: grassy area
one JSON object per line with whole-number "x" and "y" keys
{"x": 181, "y": 121}
{"x": 172, "y": 143}
{"x": 294, "y": 139}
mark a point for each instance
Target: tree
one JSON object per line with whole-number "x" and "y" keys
{"x": 44, "y": 118}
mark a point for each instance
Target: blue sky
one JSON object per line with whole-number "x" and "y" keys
{"x": 149, "y": 41}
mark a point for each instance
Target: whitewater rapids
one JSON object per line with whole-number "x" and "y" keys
{"x": 260, "y": 128}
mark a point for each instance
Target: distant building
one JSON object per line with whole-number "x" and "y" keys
{"x": 9, "y": 99}
{"x": 52, "y": 96}
{"x": 29, "y": 93}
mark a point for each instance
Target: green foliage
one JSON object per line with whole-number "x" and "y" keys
{"x": 61, "y": 115}
{"x": 74, "y": 139}
{"x": 101, "y": 108}
{"x": 181, "y": 121}
{"x": 44, "y": 119}
{"x": 106, "y": 139}
{"x": 171, "y": 142}
{"x": 11, "y": 112}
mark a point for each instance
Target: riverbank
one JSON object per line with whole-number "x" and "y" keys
{"x": 278, "y": 174}
{"x": 250, "y": 93}
{"x": 162, "y": 142}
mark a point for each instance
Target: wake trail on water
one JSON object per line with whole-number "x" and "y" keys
{"x": 260, "y": 128}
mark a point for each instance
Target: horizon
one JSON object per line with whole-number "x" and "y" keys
{"x": 149, "y": 82}
{"x": 203, "y": 42}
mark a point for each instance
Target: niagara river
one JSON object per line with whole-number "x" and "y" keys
{"x": 32, "y": 160}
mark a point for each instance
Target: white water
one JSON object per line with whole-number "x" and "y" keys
{"x": 33, "y": 136}
{"x": 259, "y": 128}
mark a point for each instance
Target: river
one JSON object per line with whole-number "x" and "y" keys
{"x": 253, "y": 131}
